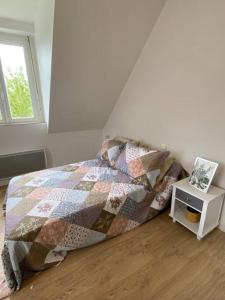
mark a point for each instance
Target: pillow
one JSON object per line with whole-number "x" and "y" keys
{"x": 142, "y": 164}
{"x": 164, "y": 187}
{"x": 110, "y": 150}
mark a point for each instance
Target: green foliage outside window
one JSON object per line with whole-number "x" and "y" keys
{"x": 18, "y": 94}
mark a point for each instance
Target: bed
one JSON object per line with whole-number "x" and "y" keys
{"x": 53, "y": 211}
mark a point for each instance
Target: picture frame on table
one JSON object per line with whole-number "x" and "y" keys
{"x": 202, "y": 174}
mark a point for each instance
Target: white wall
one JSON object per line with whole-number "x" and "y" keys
{"x": 176, "y": 93}
{"x": 18, "y": 138}
{"x": 62, "y": 148}
{"x": 73, "y": 146}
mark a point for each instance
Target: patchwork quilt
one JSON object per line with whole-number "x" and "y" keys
{"x": 53, "y": 211}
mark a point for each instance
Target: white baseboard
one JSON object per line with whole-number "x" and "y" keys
{"x": 222, "y": 227}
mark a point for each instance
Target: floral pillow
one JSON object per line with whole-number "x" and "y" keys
{"x": 142, "y": 164}
{"x": 110, "y": 150}
{"x": 164, "y": 187}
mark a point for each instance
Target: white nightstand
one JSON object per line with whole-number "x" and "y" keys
{"x": 209, "y": 205}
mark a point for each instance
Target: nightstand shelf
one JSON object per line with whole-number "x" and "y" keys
{"x": 208, "y": 205}
{"x": 179, "y": 216}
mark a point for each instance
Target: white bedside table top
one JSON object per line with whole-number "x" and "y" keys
{"x": 213, "y": 191}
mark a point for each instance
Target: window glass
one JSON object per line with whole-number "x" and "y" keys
{"x": 16, "y": 81}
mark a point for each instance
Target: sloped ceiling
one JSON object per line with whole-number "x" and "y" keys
{"x": 96, "y": 44}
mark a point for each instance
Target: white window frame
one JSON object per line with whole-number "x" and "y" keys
{"x": 25, "y": 42}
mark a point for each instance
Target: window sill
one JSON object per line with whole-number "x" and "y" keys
{"x": 23, "y": 123}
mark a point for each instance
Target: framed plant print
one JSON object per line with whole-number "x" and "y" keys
{"x": 202, "y": 174}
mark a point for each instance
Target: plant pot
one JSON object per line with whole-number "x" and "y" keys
{"x": 192, "y": 215}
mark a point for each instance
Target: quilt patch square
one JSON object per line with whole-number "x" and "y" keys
{"x": 12, "y": 202}
{"x": 138, "y": 194}
{"x": 136, "y": 168}
{"x": 23, "y": 191}
{"x": 36, "y": 182}
{"x": 131, "y": 153}
{"x": 67, "y": 195}
{"x": 75, "y": 176}
{"x": 142, "y": 212}
{"x": 12, "y": 189}
{"x": 19, "y": 181}
{"x": 66, "y": 210}
{"x": 70, "y": 168}
{"x": 129, "y": 207}
{"x": 69, "y": 183}
{"x": 121, "y": 163}
{"x": 24, "y": 206}
{"x": 85, "y": 185}
{"x": 113, "y": 204}
{"x": 118, "y": 226}
{"x": 113, "y": 153}
{"x": 83, "y": 169}
{"x": 91, "y": 176}
{"x": 51, "y": 182}
{"x": 118, "y": 189}
{"x": 107, "y": 177}
{"x": 74, "y": 237}
{"x": 27, "y": 229}
{"x": 131, "y": 225}
{"x": 39, "y": 193}
{"x": 103, "y": 222}
{"x": 153, "y": 176}
{"x": 78, "y": 196}
{"x": 121, "y": 189}
{"x": 93, "y": 237}
{"x": 52, "y": 232}
{"x": 55, "y": 256}
{"x": 59, "y": 174}
{"x": 102, "y": 187}
{"x": 95, "y": 198}
{"x": 44, "y": 208}
{"x": 122, "y": 178}
{"x": 85, "y": 217}
{"x": 11, "y": 223}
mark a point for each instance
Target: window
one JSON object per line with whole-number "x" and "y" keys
{"x": 19, "y": 101}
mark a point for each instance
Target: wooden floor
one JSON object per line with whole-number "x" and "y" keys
{"x": 157, "y": 261}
